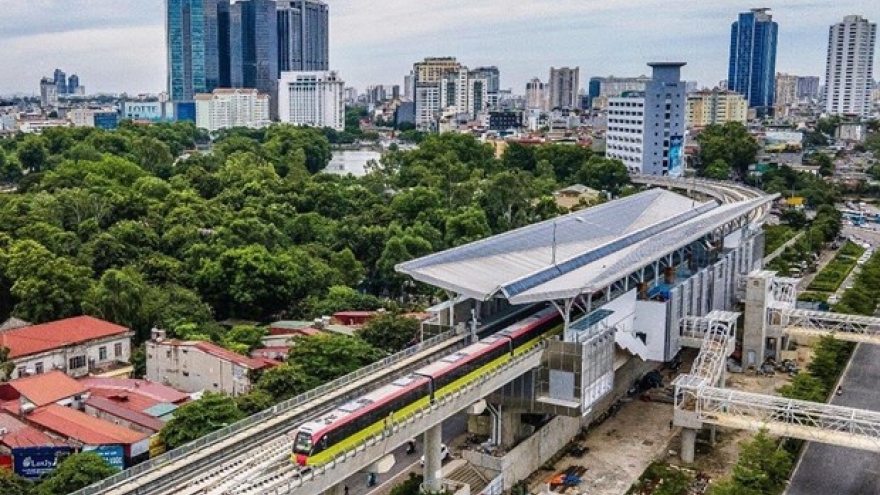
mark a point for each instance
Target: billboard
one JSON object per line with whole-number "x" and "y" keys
{"x": 34, "y": 462}
{"x": 113, "y": 454}
{"x": 676, "y": 156}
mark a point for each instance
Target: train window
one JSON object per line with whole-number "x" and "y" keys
{"x": 303, "y": 443}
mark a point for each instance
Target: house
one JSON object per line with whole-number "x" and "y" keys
{"x": 113, "y": 412}
{"x": 353, "y": 318}
{"x": 24, "y": 395}
{"x": 140, "y": 405}
{"x": 90, "y": 433}
{"x": 575, "y": 195}
{"x": 16, "y": 434}
{"x": 200, "y": 366}
{"x": 77, "y": 346}
{"x": 274, "y": 353}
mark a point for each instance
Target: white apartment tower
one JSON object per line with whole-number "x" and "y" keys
{"x": 464, "y": 92}
{"x": 225, "y": 108}
{"x": 536, "y": 98}
{"x": 850, "y": 66}
{"x": 312, "y": 99}
{"x": 646, "y": 130}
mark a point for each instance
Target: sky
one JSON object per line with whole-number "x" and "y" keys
{"x": 119, "y": 45}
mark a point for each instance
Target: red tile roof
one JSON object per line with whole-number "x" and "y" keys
{"x": 83, "y": 428}
{"x": 114, "y": 409}
{"x": 48, "y": 388}
{"x": 155, "y": 392}
{"x": 227, "y": 355}
{"x": 19, "y": 434}
{"x": 48, "y": 336}
{"x": 123, "y": 398}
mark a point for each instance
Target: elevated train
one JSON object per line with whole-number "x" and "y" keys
{"x": 320, "y": 440}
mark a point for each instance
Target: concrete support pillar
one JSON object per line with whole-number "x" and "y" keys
{"x": 433, "y": 463}
{"x": 511, "y": 424}
{"x": 712, "y": 432}
{"x": 688, "y": 444}
{"x": 755, "y": 326}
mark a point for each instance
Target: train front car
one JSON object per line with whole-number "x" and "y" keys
{"x": 302, "y": 447}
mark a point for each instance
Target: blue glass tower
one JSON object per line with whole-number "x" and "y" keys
{"x": 197, "y": 39}
{"x": 752, "y": 70}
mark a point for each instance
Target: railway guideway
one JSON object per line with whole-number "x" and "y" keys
{"x": 700, "y": 398}
{"x": 325, "y": 477}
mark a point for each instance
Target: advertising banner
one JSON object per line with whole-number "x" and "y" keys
{"x": 6, "y": 462}
{"x": 34, "y": 462}
{"x": 113, "y": 454}
{"x": 676, "y": 156}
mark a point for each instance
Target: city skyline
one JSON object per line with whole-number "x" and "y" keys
{"x": 120, "y": 47}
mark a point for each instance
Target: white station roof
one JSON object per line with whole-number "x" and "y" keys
{"x": 594, "y": 248}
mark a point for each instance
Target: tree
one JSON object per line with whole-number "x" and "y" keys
{"x": 254, "y": 401}
{"x": 805, "y": 387}
{"x": 119, "y": 297}
{"x": 730, "y": 143}
{"x": 13, "y": 484}
{"x": 247, "y": 336}
{"x": 198, "y": 418}
{"x": 604, "y": 174}
{"x": 285, "y": 382}
{"x": 717, "y": 170}
{"x": 762, "y": 468}
{"x": 7, "y": 365}
{"x": 326, "y": 357}
{"x": 10, "y": 171}
{"x": 390, "y": 332}
{"x": 339, "y": 298}
{"x": 76, "y": 472}
{"x": 32, "y": 153}
{"x": 467, "y": 226}
{"x": 829, "y": 360}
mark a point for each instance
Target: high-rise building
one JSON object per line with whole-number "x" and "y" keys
{"x": 850, "y": 66}
{"x": 493, "y": 83}
{"x": 303, "y": 35}
{"x": 48, "y": 93}
{"x": 646, "y": 130}
{"x": 786, "y": 90}
{"x": 312, "y": 99}
{"x": 196, "y": 43}
{"x": 217, "y": 56}
{"x": 72, "y": 84}
{"x": 253, "y": 45}
{"x": 60, "y": 79}
{"x": 602, "y": 88}
{"x": 536, "y": 98}
{"x": 716, "y": 106}
{"x": 808, "y": 87}
{"x": 563, "y": 88}
{"x": 464, "y": 92}
{"x": 753, "y": 59}
{"x": 225, "y": 108}
{"x": 428, "y": 75}
{"x": 409, "y": 86}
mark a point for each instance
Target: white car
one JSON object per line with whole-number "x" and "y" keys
{"x": 444, "y": 454}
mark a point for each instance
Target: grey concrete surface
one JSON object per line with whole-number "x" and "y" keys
{"x": 830, "y": 470}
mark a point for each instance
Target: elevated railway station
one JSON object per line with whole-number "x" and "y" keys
{"x": 619, "y": 278}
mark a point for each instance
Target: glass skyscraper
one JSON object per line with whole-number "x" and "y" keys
{"x": 253, "y": 43}
{"x": 752, "y": 69}
{"x": 197, "y": 39}
{"x": 303, "y": 35}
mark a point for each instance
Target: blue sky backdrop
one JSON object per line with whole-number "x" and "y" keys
{"x": 119, "y": 45}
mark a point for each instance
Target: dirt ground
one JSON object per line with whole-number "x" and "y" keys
{"x": 622, "y": 447}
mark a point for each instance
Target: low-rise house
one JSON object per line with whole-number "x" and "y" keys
{"x": 88, "y": 433}
{"x": 200, "y": 366}
{"x": 24, "y": 395}
{"x": 77, "y": 346}
{"x": 113, "y": 412}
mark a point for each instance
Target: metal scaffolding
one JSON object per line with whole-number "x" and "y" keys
{"x": 805, "y": 420}
{"x": 853, "y": 328}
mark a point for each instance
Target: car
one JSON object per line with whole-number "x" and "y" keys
{"x": 444, "y": 454}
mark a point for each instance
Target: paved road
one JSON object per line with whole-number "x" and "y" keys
{"x": 831, "y": 470}
{"x": 452, "y": 428}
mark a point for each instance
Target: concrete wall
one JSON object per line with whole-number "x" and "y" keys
{"x": 533, "y": 452}
{"x": 190, "y": 369}
{"x": 60, "y": 358}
